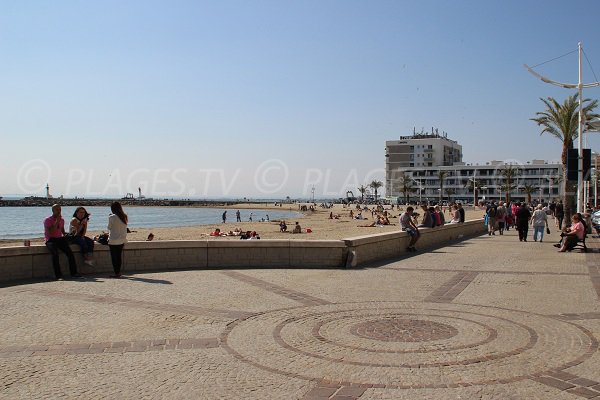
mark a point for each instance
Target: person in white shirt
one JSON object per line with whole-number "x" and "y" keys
{"x": 117, "y": 236}
{"x": 539, "y": 221}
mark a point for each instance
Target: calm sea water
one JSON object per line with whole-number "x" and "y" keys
{"x": 27, "y": 222}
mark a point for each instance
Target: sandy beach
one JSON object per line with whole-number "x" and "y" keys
{"x": 318, "y": 221}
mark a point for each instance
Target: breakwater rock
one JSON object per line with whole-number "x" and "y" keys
{"x": 45, "y": 202}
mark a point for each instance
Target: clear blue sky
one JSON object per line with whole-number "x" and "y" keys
{"x": 268, "y": 98}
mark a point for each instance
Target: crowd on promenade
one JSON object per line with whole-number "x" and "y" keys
{"x": 521, "y": 216}
{"x": 502, "y": 216}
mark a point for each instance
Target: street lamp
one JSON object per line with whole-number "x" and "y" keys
{"x": 484, "y": 188}
{"x": 596, "y": 177}
{"x": 579, "y": 86}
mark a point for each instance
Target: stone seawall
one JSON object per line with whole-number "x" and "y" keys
{"x": 26, "y": 263}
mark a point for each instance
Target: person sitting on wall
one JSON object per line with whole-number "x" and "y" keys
{"x": 54, "y": 235}
{"x": 407, "y": 224}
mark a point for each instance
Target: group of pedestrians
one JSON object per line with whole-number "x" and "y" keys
{"x": 58, "y": 239}
{"x": 502, "y": 216}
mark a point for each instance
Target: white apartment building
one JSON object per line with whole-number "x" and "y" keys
{"x": 403, "y": 158}
{"x": 422, "y": 150}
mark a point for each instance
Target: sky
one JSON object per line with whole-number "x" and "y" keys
{"x": 268, "y": 99}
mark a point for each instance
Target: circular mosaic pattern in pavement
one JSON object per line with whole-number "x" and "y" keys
{"x": 405, "y": 344}
{"x": 403, "y": 330}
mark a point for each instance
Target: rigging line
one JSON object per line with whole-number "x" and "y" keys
{"x": 545, "y": 62}
{"x": 590, "y": 64}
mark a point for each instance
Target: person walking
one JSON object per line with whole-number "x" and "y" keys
{"x": 501, "y": 217}
{"x": 461, "y": 210}
{"x": 224, "y": 216}
{"x": 523, "y": 216}
{"x": 117, "y": 236}
{"x": 491, "y": 211}
{"x": 54, "y": 235}
{"x": 559, "y": 214}
{"x": 539, "y": 222}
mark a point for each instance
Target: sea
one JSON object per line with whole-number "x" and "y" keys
{"x": 27, "y": 222}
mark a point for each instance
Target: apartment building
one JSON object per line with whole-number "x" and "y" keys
{"x": 422, "y": 150}
{"x": 420, "y": 158}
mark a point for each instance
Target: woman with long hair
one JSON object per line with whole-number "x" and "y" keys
{"x": 117, "y": 236}
{"x": 78, "y": 229}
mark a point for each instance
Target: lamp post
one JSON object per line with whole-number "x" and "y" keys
{"x": 475, "y": 188}
{"x": 579, "y": 86}
{"x": 484, "y": 188}
{"x": 596, "y": 176}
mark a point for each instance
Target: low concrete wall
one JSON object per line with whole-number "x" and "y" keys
{"x": 370, "y": 248}
{"x": 19, "y": 263}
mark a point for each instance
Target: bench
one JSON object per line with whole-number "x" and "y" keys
{"x": 581, "y": 244}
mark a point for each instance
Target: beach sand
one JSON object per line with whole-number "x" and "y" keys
{"x": 317, "y": 221}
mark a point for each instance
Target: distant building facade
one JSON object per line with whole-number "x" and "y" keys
{"x": 419, "y": 159}
{"x": 422, "y": 150}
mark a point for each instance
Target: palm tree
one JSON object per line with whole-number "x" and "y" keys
{"x": 508, "y": 174}
{"x": 362, "y": 189}
{"x": 474, "y": 185}
{"x": 441, "y": 176}
{"x": 562, "y": 122}
{"x": 375, "y": 185}
{"x": 450, "y": 192}
{"x": 405, "y": 183}
{"x": 529, "y": 190}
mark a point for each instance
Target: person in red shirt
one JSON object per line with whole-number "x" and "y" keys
{"x": 54, "y": 234}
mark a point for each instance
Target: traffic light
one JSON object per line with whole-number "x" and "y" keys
{"x": 572, "y": 164}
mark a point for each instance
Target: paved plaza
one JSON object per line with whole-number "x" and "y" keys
{"x": 486, "y": 318}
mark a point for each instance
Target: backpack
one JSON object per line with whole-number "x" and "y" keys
{"x": 491, "y": 212}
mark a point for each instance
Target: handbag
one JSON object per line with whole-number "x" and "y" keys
{"x": 102, "y": 238}
{"x": 547, "y": 230}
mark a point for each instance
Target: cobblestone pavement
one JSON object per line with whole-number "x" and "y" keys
{"x": 487, "y": 318}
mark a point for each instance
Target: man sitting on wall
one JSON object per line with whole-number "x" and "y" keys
{"x": 408, "y": 226}
{"x": 54, "y": 234}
